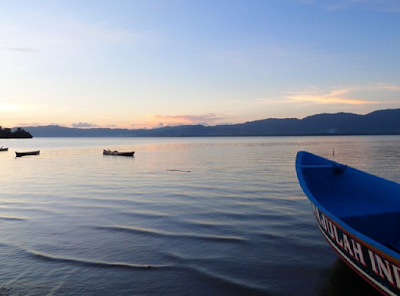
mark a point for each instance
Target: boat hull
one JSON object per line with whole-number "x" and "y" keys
{"x": 20, "y": 154}
{"x": 376, "y": 267}
{"x": 117, "y": 153}
{"x": 378, "y": 264}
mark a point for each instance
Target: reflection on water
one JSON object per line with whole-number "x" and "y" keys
{"x": 343, "y": 281}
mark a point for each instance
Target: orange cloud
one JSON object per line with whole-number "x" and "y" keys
{"x": 342, "y": 95}
{"x": 331, "y": 98}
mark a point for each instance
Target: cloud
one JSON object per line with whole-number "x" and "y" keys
{"x": 332, "y": 97}
{"x": 23, "y": 124}
{"x": 74, "y": 33}
{"x": 205, "y": 119}
{"x": 21, "y": 50}
{"x": 372, "y": 5}
{"x": 382, "y": 87}
{"x": 345, "y": 96}
{"x": 83, "y": 125}
{"x": 160, "y": 125}
{"x": 5, "y": 107}
{"x": 97, "y": 31}
{"x": 158, "y": 121}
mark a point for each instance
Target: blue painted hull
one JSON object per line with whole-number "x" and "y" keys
{"x": 359, "y": 216}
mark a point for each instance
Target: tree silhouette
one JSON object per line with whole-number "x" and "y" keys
{"x": 18, "y": 133}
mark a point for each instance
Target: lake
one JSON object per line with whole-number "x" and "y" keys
{"x": 185, "y": 216}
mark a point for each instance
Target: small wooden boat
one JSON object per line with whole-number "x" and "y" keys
{"x": 3, "y": 148}
{"x": 19, "y": 154}
{"x": 359, "y": 216}
{"x": 117, "y": 153}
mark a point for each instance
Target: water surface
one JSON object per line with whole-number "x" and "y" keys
{"x": 191, "y": 216}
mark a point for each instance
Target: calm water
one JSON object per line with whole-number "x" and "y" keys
{"x": 192, "y": 216}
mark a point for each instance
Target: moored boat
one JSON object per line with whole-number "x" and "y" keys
{"x": 3, "y": 148}
{"x": 20, "y": 154}
{"x": 358, "y": 214}
{"x": 117, "y": 153}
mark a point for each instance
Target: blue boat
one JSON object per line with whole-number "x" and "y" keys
{"x": 358, "y": 214}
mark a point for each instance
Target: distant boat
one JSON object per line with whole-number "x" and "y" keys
{"x": 19, "y": 154}
{"x": 116, "y": 153}
{"x": 359, "y": 216}
{"x": 3, "y": 148}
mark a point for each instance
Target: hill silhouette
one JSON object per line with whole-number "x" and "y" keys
{"x": 381, "y": 122}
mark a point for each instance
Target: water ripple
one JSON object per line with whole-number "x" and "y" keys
{"x": 144, "y": 214}
{"x": 4, "y": 218}
{"x": 237, "y": 286}
{"x": 83, "y": 262}
{"x": 92, "y": 263}
{"x": 161, "y": 233}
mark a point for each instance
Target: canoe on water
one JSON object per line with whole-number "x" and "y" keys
{"x": 117, "y": 153}
{"x": 358, "y": 214}
{"x": 20, "y": 154}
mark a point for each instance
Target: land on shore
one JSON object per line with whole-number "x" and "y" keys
{"x": 8, "y": 133}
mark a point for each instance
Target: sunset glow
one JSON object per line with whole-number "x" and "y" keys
{"x": 134, "y": 64}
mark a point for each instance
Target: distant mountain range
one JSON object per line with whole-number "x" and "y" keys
{"x": 382, "y": 122}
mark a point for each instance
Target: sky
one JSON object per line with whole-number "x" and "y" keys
{"x": 152, "y": 63}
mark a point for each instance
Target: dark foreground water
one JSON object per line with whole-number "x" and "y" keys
{"x": 193, "y": 216}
